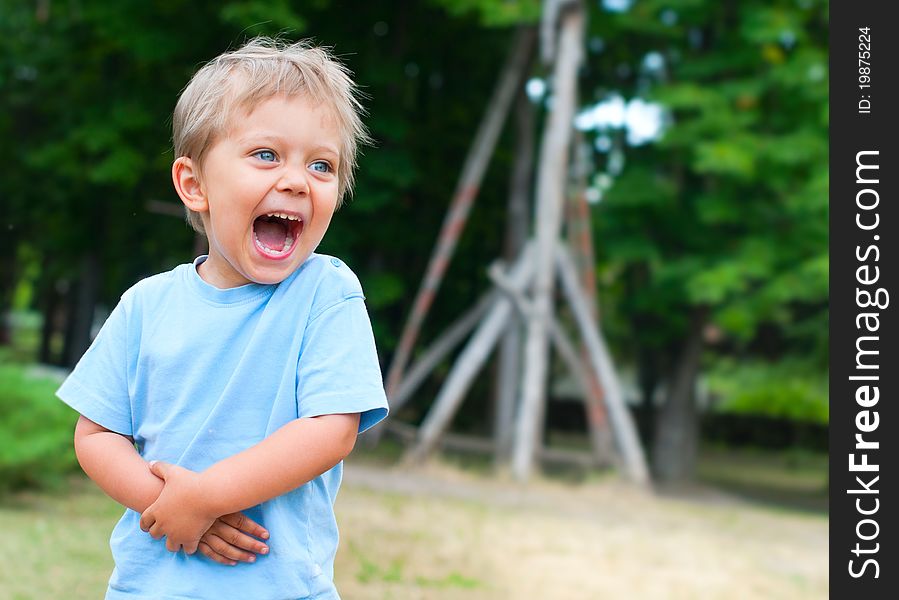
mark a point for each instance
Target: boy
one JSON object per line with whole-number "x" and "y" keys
{"x": 238, "y": 382}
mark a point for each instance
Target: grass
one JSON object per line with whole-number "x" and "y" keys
{"x": 56, "y": 544}
{"x": 792, "y": 479}
{"x": 565, "y": 536}
{"x": 25, "y": 331}
{"x": 446, "y": 534}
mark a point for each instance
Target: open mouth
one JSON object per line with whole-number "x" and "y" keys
{"x": 276, "y": 233}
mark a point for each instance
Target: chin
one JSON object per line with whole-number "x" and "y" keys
{"x": 278, "y": 272}
{"x": 271, "y": 278}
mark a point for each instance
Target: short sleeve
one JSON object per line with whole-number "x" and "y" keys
{"x": 98, "y": 386}
{"x": 338, "y": 370}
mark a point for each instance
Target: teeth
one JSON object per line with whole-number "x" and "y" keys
{"x": 284, "y": 216}
{"x": 288, "y": 244}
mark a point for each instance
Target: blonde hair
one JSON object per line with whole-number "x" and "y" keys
{"x": 260, "y": 69}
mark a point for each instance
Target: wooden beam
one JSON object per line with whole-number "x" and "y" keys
{"x": 424, "y": 366}
{"x": 551, "y": 179}
{"x": 478, "y": 445}
{"x": 585, "y": 378}
{"x": 469, "y": 362}
{"x": 442, "y": 346}
{"x": 506, "y": 391}
{"x": 476, "y": 162}
{"x": 580, "y": 236}
{"x": 508, "y": 378}
{"x": 633, "y": 457}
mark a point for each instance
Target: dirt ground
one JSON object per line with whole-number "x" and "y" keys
{"x": 440, "y": 533}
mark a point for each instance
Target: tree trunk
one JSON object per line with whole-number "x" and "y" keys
{"x": 8, "y": 280}
{"x": 677, "y": 428}
{"x": 50, "y": 307}
{"x": 648, "y": 379}
{"x": 81, "y": 310}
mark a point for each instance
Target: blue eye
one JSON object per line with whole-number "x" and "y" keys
{"x": 321, "y": 166}
{"x": 266, "y": 155}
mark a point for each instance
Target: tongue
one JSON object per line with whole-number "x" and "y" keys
{"x": 273, "y": 234}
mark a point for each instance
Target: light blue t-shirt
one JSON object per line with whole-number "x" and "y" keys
{"x": 196, "y": 374}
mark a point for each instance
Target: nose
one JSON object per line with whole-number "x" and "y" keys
{"x": 293, "y": 180}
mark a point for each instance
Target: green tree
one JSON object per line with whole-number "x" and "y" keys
{"x": 720, "y": 227}
{"x": 88, "y": 90}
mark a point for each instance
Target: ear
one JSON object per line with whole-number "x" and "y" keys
{"x": 186, "y": 178}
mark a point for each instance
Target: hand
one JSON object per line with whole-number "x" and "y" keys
{"x": 181, "y": 512}
{"x": 228, "y": 540}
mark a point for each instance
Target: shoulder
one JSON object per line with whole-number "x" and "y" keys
{"x": 330, "y": 276}
{"x": 324, "y": 280}
{"x": 148, "y": 291}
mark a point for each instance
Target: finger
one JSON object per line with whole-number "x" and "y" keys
{"x": 207, "y": 551}
{"x": 156, "y": 532}
{"x": 147, "y": 520}
{"x": 191, "y": 548}
{"x": 223, "y": 548}
{"x": 237, "y": 538}
{"x": 244, "y": 523}
{"x": 159, "y": 468}
{"x": 172, "y": 546}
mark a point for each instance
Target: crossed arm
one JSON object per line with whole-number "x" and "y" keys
{"x": 183, "y": 505}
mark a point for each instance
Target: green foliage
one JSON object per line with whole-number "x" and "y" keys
{"x": 268, "y": 18}
{"x": 35, "y": 431}
{"x": 732, "y": 157}
{"x": 788, "y": 389}
{"x": 383, "y": 289}
{"x": 89, "y": 88}
{"x": 492, "y": 13}
{"x": 729, "y": 209}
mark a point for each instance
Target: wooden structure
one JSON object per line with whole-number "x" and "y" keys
{"x": 518, "y": 313}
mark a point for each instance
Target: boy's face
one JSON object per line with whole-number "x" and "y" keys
{"x": 270, "y": 188}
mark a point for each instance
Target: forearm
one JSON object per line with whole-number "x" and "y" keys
{"x": 293, "y": 455}
{"x": 112, "y": 462}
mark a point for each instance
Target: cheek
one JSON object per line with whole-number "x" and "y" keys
{"x": 322, "y": 208}
{"x": 323, "y": 219}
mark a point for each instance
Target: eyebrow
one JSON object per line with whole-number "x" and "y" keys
{"x": 252, "y": 139}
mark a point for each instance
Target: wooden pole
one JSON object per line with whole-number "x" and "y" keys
{"x": 517, "y": 225}
{"x": 479, "y": 445}
{"x": 583, "y": 375}
{"x": 466, "y": 190}
{"x": 633, "y": 457}
{"x": 599, "y": 439}
{"x": 469, "y": 362}
{"x": 549, "y": 20}
{"x": 442, "y": 346}
{"x": 553, "y": 167}
{"x": 507, "y": 381}
{"x": 579, "y": 231}
{"x": 580, "y": 234}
